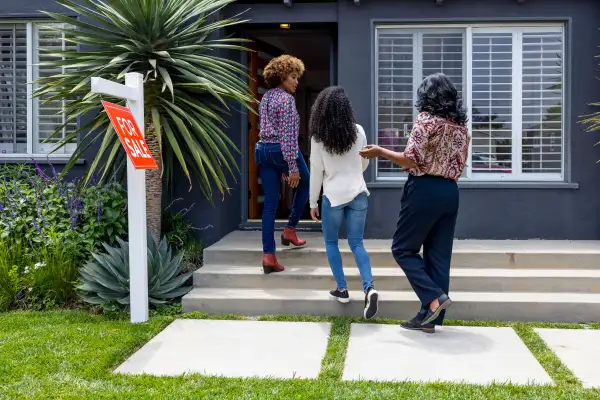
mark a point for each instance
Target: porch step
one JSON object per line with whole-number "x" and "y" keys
{"x": 550, "y": 307}
{"x": 245, "y": 248}
{"x": 462, "y": 279}
{"x": 529, "y": 280}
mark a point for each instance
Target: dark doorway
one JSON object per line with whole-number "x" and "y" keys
{"x": 316, "y": 47}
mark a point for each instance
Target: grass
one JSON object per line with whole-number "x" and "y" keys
{"x": 70, "y": 355}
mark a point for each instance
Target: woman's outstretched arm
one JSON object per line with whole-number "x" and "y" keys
{"x": 398, "y": 158}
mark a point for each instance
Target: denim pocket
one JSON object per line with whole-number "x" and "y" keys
{"x": 259, "y": 154}
{"x": 360, "y": 202}
{"x": 276, "y": 158}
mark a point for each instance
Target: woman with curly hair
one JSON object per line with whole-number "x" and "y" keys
{"x": 337, "y": 167}
{"x": 277, "y": 154}
{"x": 435, "y": 156}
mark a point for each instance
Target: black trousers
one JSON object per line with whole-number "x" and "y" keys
{"x": 427, "y": 218}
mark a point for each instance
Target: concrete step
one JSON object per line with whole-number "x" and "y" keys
{"x": 548, "y": 307}
{"x": 462, "y": 279}
{"x": 245, "y": 248}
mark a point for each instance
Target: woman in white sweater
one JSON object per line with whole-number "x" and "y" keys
{"x": 337, "y": 167}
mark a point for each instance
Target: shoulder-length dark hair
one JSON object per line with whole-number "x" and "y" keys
{"x": 438, "y": 96}
{"x": 332, "y": 121}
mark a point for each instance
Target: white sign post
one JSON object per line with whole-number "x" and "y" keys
{"x": 133, "y": 92}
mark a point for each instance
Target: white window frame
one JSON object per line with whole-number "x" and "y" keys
{"x": 517, "y": 69}
{"x": 32, "y": 29}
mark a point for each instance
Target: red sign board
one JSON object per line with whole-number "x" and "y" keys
{"x": 130, "y": 135}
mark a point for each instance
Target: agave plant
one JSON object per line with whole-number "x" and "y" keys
{"x": 105, "y": 279}
{"x": 188, "y": 87}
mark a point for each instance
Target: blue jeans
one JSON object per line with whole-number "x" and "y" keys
{"x": 271, "y": 165}
{"x": 355, "y": 213}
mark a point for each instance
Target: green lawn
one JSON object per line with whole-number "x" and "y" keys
{"x": 70, "y": 355}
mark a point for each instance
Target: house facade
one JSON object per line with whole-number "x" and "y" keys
{"x": 525, "y": 69}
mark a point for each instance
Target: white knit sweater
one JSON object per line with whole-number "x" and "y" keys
{"x": 340, "y": 176}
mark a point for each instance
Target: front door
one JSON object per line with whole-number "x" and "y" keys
{"x": 259, "y": 58}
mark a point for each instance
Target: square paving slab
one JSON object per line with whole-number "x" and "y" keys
{"x": 233, "y": 349}
{"x": 579, "y": 350}
{"x": 453, "y": 354}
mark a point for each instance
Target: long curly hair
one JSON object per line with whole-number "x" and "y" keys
{"x": 438, "y": 96}
{"x": 279, "y": 68}
{"x": 332, "y": 121}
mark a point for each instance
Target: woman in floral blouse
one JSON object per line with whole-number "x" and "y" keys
{"x": 277, "y": 154}
{"x": 434, "y": 157}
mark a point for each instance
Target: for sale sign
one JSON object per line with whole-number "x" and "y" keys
{"x": 130, "y": 135}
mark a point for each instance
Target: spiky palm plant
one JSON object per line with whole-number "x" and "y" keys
{"x": 592, "y": 120}
{"x": 188, "y": 86}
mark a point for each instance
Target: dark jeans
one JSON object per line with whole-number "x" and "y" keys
{"x": 427, "y": 218}
{"x": 271, "y": 166}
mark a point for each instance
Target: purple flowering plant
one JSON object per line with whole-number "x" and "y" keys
{"x": 34, "y": 203}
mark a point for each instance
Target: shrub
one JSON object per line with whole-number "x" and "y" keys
{"x": 32, "y": 204}
{"x": 12, "y": 261}
{"x": 180, "y": 234}
{"x": 52, "y": 272}
{"x": 105, "y": 279}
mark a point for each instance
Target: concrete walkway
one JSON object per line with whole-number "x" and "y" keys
{"x": 292, "y": 350}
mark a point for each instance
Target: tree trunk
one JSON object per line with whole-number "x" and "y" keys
{"x": 154, "y": 186}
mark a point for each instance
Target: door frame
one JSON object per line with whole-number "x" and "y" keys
{"x": 247, "y": 154}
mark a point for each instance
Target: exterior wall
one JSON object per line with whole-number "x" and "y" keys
{"x": 220, "y": 218}
{"x": 492, "y": 211}
{"x": 488, "y": 210}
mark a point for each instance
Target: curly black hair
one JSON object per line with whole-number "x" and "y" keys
{"x": 438, "y": 96}
{"x": 332, "y": 121}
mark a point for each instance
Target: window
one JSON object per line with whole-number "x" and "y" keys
{"x": 510, "y": 78}
{"x": 24, "y": 121}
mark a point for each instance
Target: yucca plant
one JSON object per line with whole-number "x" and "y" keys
{"x": 592, "y": 120}
{"x": 105, "y": 279}
{"x": 188, "y": 86}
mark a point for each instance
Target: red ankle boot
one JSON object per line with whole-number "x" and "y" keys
{"x": 289, "y": 236}
{"x": 270, "y": 264}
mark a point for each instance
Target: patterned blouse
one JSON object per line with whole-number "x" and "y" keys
{"x": 280, "y": 123}
{"x": 438, "y": 146}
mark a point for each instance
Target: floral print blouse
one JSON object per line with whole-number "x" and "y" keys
{"x": 280, "y": 123}
{"x": 438, "y": 146}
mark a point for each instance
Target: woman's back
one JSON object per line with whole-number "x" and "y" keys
{"x": 341, "y": 175}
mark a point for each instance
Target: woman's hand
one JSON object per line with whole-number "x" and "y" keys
{"x": 371, "y": 151}
{"x": 314, "y": 214}
{"x": 293, "y": 180}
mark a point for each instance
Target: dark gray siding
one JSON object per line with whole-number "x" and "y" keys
{"x": 220, "y": 218}
{"x": 501, "y": 212}
{"x": 490, "y": 211}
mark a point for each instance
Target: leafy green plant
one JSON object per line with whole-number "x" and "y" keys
{"x": 53, "y": 271}
{"x": 32, "y": 204}
{"x": 189, "y": 86}
{"x": 193, "y": 256}
{"x": 12, "y": 260}
{"x": 179, "y": 232}
{"x": 105, "y": 279}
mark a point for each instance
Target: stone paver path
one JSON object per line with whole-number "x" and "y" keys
{"x": 457, "y": 354}
{"x": 579, "y": 350}
{"x": 377, "y": 352}
{"x": 233, "y": 349}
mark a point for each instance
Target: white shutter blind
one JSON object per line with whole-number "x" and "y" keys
{"x": 443, "y": 52}
{"x": 492, "y": 103}
{"x": 49, "y": 116}
{"x": 542, "y": 102}
{"x": 404, "y": 59}
{"x": 395, "y": 75}
{"x": 13, "y": 88}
